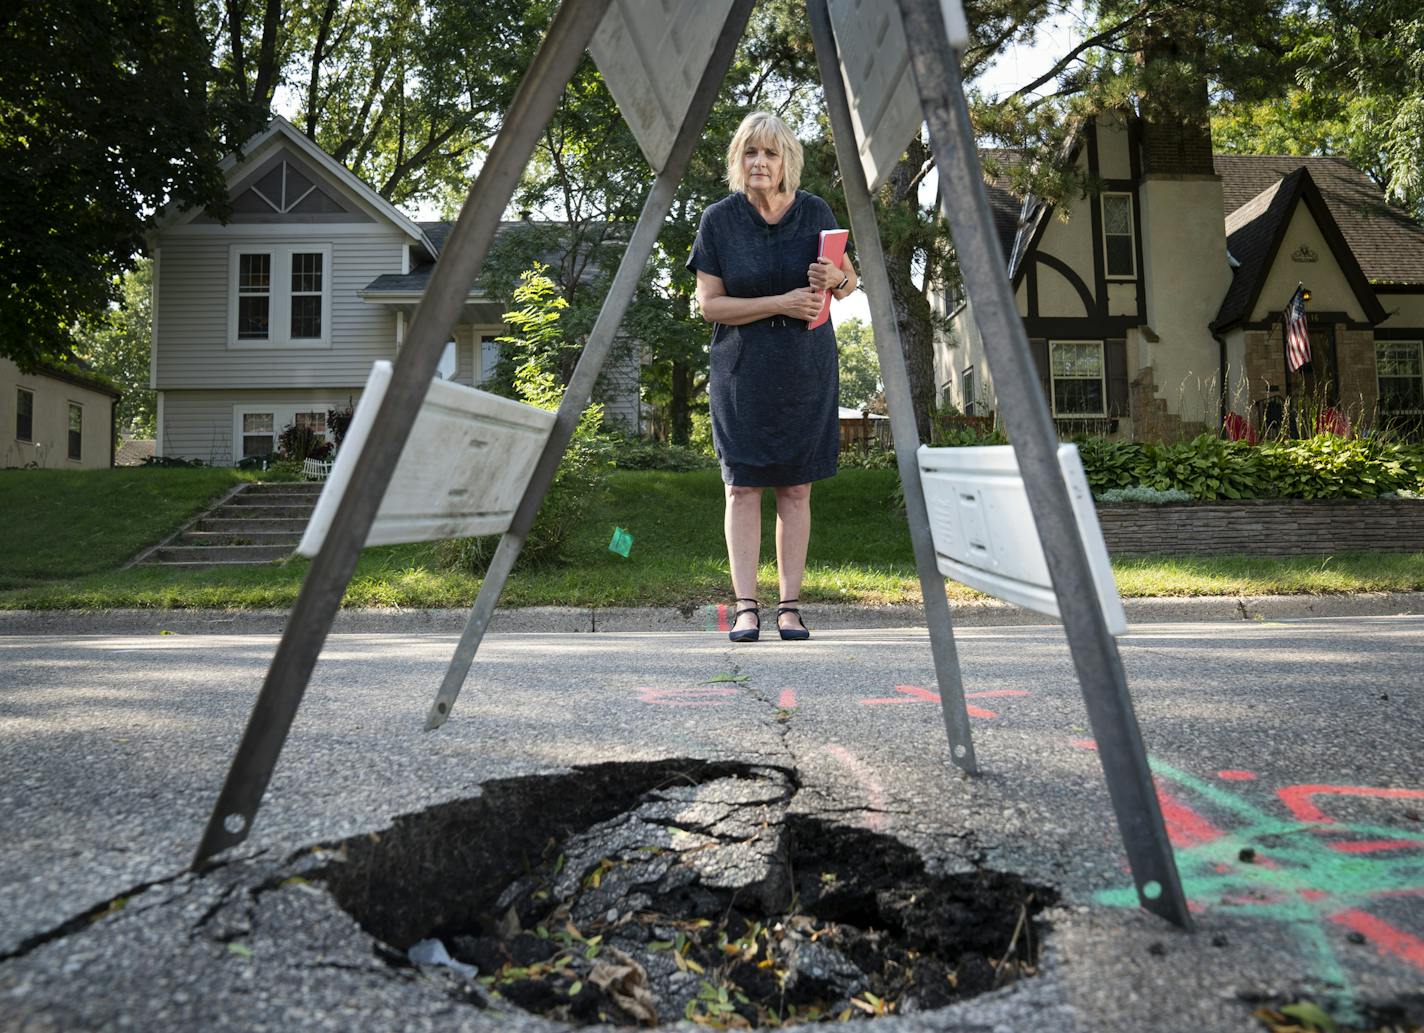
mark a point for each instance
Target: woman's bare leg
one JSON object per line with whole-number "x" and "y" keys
{"x": 742, "y": 525}
{"x": 793, "y": 532}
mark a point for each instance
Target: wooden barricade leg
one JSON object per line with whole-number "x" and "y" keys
{"x": 595, "y": 352}
{"x": 897, "y": 390}
{"x": 1119, "y": 739}
{"x": 310, "y": 622}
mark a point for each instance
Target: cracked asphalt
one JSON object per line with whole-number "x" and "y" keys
{"x": 1287, "y": 756}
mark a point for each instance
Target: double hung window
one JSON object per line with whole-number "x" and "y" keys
{"x": 258, "y": 434}
{"x": 1079, "y": 384}
{"x": 24, "y": 414}
{"x": 76, "y": 431}
{"x": 1400, "y": 367}
{"x": 280, "y": 295}
{"x": 1119, "y": 252}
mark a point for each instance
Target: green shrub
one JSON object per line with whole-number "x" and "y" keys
{"x": 858, "y": 458}
{"x": 1146, "y": 496}
{"x": 583, "y": 471}
{"x": 1331, "y": 467}
{"x": 1112, "y": 464}
{"x": 1209, "y": 467}
{"x": 631, "y": 453}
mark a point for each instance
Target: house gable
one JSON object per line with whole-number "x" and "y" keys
{"x": 285, "y": 189}
{"x": 260, "y": 163}
{"x": 1284, "y": 236}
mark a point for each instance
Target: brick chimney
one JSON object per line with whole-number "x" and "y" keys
{"x": 1176, "y": 115}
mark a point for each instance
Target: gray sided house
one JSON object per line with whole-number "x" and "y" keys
{"x": 1156, "y": 307}
{"x": 275, "y": 317}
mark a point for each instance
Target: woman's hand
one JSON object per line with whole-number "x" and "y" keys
{"x": 824, "y": 275}
{"x": 803, "y": 303}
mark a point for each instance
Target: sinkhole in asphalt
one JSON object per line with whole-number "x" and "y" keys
{"x": 650, "y": 893}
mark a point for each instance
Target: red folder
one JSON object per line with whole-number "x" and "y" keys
{"x": 833, "y": 245}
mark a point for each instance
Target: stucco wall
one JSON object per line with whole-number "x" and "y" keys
{"x": 1072, "y": 242}
{"x": 1405, "y": 311}
{"x": 49, "y": 439}
{"x": 1186, "y": 275}
{"x": 1329, "y": 290}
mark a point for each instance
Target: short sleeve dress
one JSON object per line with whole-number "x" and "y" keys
{"x": 774, "y": 385}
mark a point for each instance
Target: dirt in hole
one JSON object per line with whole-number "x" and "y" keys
{"x": 703, "y": 898}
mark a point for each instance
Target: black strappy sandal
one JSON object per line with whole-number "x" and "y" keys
{"x": 791, "y": 634}
{"x": 746, "y": 634}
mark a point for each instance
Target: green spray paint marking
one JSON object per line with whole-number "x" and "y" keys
{"x": 1296, "y": 879}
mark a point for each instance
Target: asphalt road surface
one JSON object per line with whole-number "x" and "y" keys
{"x": 1288, "y": 758}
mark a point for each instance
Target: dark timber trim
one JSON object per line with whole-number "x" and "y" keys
{"x": 1063, "y": 268}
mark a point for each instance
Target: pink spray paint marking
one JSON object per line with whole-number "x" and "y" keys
{"x": 1386, "y": 938}
{"x": 787, "y": 699}
{"x": 694, "y": 696}
{"x": 875, "y": 818}
{"x": 917, "y": 694}
{"x": 1232, "y": 775}
{"x": 1185, "y": 827}
{"x": 722, "y": 624}
{"x": 1298, "y": 798}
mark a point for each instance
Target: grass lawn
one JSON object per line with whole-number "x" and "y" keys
{"x": 65, "y": 523}
{"x": 860, "y": 553}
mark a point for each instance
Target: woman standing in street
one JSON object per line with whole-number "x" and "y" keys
{"x": 774, "y": 384}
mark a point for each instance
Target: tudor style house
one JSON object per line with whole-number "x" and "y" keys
{"x": 275, "y": 317}
{"x": 1155, "y": 306}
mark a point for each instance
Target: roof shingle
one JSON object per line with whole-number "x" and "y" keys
{"x": 1386, "y": 242}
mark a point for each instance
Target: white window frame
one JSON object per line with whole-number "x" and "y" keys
{"x": 279, "y": 311}
{"x": 968, "y": 382}
{"x": 1053, "y": 383}
{"x": 1131, "y": 235}
{"x": 1391, "y": 343}
{"x": 283, "y": 415}
{"x": 70, "y": 406}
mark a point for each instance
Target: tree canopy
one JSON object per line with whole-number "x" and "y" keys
{"x": 103, "y": 119}
{"x": 110, "y": 109}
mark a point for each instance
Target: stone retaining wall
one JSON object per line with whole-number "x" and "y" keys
{"x": 1279, "y": 527}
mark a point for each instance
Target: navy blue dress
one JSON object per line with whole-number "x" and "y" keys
{"x": 774, "y": 386}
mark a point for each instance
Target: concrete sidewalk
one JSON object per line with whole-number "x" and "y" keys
{"x": 575, "y": 620}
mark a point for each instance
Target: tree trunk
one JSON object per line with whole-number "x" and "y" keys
{"x": 903, "y": 252}
{"x": 680, "y": 405}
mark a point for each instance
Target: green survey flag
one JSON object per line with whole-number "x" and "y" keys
{"x": 622, "y": 542}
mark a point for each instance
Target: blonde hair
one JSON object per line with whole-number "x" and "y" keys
{"x": 764, "y": 127}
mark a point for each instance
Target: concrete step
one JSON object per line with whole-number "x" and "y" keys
{"x": 273, "y": 498}
{"x": 244, "y": 523}
{"x": 283, "y": 488}
{"x": 211, "y": 538}
{"x": 230, "y": 512}
{"x": 205, "y": 554}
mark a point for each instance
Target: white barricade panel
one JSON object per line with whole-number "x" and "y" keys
{"x": 652, "y": 54}
{"x": 875, "y": 64}
{"x": 984, "y": 532}
{"x": 463, "y": 471}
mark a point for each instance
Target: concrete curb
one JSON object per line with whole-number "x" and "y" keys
{"x": 573, "y": 620}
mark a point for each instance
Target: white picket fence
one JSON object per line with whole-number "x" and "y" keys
{"x": 316, "y": 469}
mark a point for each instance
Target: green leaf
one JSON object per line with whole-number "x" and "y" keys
{"x": 239, "y": 949}
{"x": 1310, "y": 1015}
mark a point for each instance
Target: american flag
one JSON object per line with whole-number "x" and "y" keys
{"x": 1297, "y": 331}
